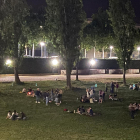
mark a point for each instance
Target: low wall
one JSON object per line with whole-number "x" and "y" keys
{"x": 101, "y": 71}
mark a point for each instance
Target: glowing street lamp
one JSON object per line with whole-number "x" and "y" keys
{"x": 8, "y": 62}
{"x": 42, "y": 44}
{"x": 138, "y": 52}
{"x": 54, "y": 62}
{"x": 111, "y": 47}
{"x": 92, "y": 62}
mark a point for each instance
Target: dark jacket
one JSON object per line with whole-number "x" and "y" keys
{"x": 38, "y": 93}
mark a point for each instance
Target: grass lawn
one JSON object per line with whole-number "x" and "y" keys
{"x": 51, "y": 123}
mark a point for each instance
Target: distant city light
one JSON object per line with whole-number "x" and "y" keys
{"x": 8, "y": 62}
{"x": 55, "y": 62}
{"x": 92, "y": 62}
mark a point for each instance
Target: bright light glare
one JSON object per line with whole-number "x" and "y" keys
{"x": 55, "y": 62}
{"x": 42, "y": 43}
{"x": 92, "y": 62}
{"x": 8, "y": 62}
{"x": 111, "y": 47}
{"x": 138, "y": 48}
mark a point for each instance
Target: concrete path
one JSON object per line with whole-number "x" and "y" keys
{"x": 45, "y": 77}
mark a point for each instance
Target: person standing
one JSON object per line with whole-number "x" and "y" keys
{"x": 106, "y": 88}
{"x": 117, "y": 86}
{"x": 87, "y": 91}
{"x": 47, "y": 100}
{"x": 38, "y": 94}
{"x": 112, "y": 87}
{"x": 60, "y": 95}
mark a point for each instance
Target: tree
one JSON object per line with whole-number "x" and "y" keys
{"x": 64, "y": 26}
{"x": 13, "y": 30}
{"x": 122, "y": 15}
{"x": 99, "y": 32}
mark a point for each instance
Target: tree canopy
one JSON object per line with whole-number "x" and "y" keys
{"x": 64, "y": 26}
{"x": 122, "y": 15}
{"x": 13, "y": 29}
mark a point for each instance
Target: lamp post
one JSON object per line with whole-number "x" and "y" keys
{"x": 92, "y": 62}
{"x": 111, "y": 47}
{"x": 42, "y": 44}
{"x": 138, "y": 52}
{"x": 55, "y": 63}
{"x": 8, "y": 63}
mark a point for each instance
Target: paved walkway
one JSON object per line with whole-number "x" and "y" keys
{"x": 44, "y": 77}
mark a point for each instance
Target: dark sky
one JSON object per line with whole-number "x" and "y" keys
{"x": 91, "y": 6}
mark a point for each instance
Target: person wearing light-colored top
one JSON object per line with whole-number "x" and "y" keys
{"x": 9, "y": 115}
{"x": 87, "y": 90}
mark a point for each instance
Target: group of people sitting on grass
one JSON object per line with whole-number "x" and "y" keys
{"x": 47, "y": 96}
{"x": 90, "y": 94}
{"x": 134, "y": 86}
{"x": 133, "y": 108}
{"x": 16, "y": 116}
{"x": 89, "y": 97}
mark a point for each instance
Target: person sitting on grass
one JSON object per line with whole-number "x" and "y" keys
{"x": 100, "y": 97}
{"x": 30, "y": 89}
{"x": 87, "y": 91}
{"x": 23, "y": 116}
{"x": 9, "y": 115}
{"x": 113, "y": 97}
{"x": 51, "y": 95}
{"x": 136, "y": 87}
{"x": 91, "y": 93}
{"x": 90, "y": 112}
{"x": 82, "y": 110}
{"x": 60, "y": 95}
{"x": 78, "y": 110}
{"x": 84, "y": 99}
{"x": 131, "y": 108}
{"x": 131, "y": 87}
{"x": 31, "y": 93}
{"x": 24, "y": 90}
{"x": 15, "y": 115}
{"x": 57, "y": 101}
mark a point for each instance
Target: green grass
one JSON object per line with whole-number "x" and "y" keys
{"x": 51, "y": 123}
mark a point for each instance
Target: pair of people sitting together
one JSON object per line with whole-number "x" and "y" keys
{"x": 16, "y": 116}
{"x": 81, "y": 111}
{"x": 134, "y": 87}
{"x": 113, "y": 97}
{"x": 30, "y": 92}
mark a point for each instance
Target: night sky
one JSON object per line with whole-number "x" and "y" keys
{"x": 91, "y": 6}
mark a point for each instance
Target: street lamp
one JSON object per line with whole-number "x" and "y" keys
{"x": 54, "y": 62}
{"x": 42, "y": 44}
{"x": 92, "y": 62}
{"x": 8, "y": 62}
{"x": 111, "y": 47}
{"x": 138, "y": 52}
